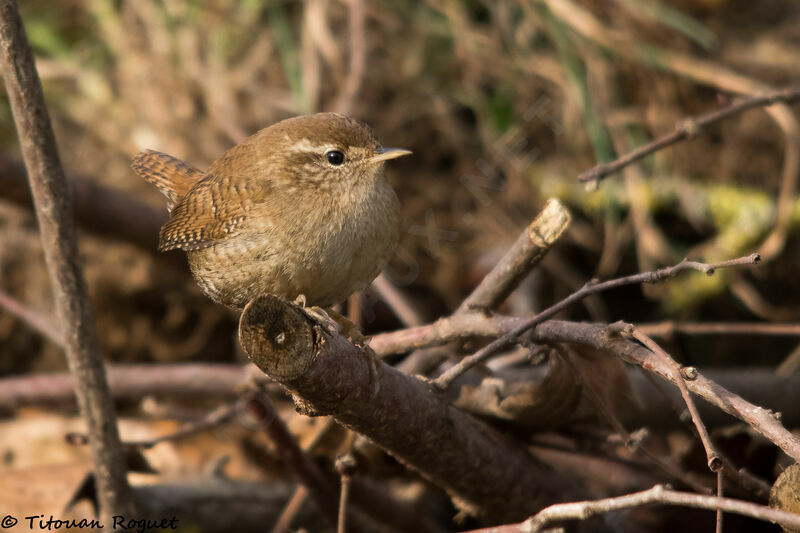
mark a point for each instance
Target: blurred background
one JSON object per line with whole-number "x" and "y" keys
{"x": 504, "y": 103}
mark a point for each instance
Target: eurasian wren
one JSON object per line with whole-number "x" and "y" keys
{"x": 299, "y": 208}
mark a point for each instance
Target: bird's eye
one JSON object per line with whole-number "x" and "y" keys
{"x": 334, "y": 157}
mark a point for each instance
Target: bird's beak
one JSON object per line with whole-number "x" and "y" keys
{"x": 384, "y": 154}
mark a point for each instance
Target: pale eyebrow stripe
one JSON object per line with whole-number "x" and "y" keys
{"x": 304, "y": 145}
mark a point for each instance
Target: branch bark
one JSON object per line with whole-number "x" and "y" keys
{"x": 485, "y": 473}
{"x": 658, "y": 495}
{"x": 597, "y": 336}
{"x": 130, "y": 381}
{"x": 529, "y": 248}
{"x": 688, "y": 128}
{"x": 53, "y": 210}
{"x": 760, "y": 419}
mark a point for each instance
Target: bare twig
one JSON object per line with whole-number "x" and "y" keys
{"x": 689, "y": 128}
{"x": 127, "y": 381}
{"x": 398, "y": 302}
{"x": 53, "y": 209}
{"x": 291, "y": 509}
{"x": 760, "y": 419}
{"x": 742, "y": 477}
{"x": 345, "y": 465}
{"x": 301, "y": 494}
{"x": 681, "y": 375}
{"x": 358, "y": 55}
{"x": 36, "y": 320}
{"x": 344, "y": 496}
{"x": 790, "y": 363}
{"x": 719, "y": 495}
{"x": 634, "y": 444}
{"x": 669, "y": 328}
{"x": 261, "y": 408}
{"x": 526, "y": 252}
{"x": 447, "y": 378}
{"x": 219, "y": 416}
{"x": 658, "y": 495}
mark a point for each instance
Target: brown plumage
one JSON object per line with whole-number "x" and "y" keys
{"x": 170, "y": 175}
{"x": 280, "y": 213}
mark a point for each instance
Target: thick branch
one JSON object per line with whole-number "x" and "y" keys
{"x": 53, "y": 210}
{"x": 216, "y": 504}
{"x": 480, "y": 468}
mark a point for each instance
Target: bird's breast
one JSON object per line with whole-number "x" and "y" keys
{"x": 325, "y": 250}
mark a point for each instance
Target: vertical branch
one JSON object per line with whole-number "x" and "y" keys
{"x": 714, "y": 462}
{"x": 345, "y": 465}
{"x": 719, "y": 495}
{"x": 53, "y": 210}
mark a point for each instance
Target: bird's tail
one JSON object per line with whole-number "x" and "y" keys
{"x": 172, "y": 176}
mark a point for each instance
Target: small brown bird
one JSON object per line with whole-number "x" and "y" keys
{"x": 299, "y": 209}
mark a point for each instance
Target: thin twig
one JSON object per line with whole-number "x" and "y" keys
{"x": 450, "y": 375}
{"x": 689, "y": 128}
{"x": 743, "y": 478}
{"x": 345, "y": 465}
{"x": 637, "y": 445}
{"x": 358, "y": 54}
{"x": 529, "y": 248}
{"x": 219, "y": 416}
{"x": 669, "y": 328}
{"x": 35, "y": 319}
{"x": 760, "y": 419}
{"x": 295, "y": 503}
{"x": 719, "y": 495}
{"x": 261, "y": 408}
{"x": 680, "y": 375}
{"x": 291, "y": 509}
{"x": 132, "y": 381}
{"x": 740, "y": 476}
{"x": 402, "y": 307}
{"x": 790, "y": 363}
{"x": 658, "y": 495}
{"x": 54, "y": 214}
{"x": 344, "y": 496}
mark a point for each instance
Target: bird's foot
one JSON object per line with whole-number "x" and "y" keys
{"x": 337, "y": 323}
{"x": 318, "y": 315}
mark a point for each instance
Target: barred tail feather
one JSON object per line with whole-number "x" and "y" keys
{"x": 172, "y": 176}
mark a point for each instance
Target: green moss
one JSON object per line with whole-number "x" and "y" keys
{"x": 739, "y": 216}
